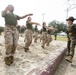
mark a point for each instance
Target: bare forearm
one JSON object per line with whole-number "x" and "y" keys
{"x": 25, "y": 16}
{"x": 34, "y": 23}
{"x": 50, "y": 28}
{"x": 46, "y": 27}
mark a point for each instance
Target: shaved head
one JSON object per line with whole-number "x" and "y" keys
{"x": 11, "y": 7}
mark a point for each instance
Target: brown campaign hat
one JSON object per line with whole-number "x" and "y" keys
{"x": 71, "y": 18}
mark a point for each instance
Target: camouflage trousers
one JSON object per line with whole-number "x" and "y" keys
{"x": 40, "y": 36}
{"x": 44, "y": 38}
{"x": 49, "y": 39}
{"x": 28, "y": 37}
{"x": 11, "y": 36}
{"x": 68, "y": 46}
{"x": 36, "y": 36}
{"x": 72, "y": 47}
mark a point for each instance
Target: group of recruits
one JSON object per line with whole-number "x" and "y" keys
{"x": 11, "y": 34}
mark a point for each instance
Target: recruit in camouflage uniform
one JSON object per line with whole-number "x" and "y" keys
{"x": 71, "y": 29}
{"x": 35, "y": 34}
{"x": 68, "y": 44}
{"x": 44, "y": 34}
{"x": 11, "y": 34}
{"x": 29, "y": 33}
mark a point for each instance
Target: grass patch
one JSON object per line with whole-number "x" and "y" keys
{"x": 60, "y": 38}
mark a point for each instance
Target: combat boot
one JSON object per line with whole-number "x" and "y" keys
{"x": 26, "y": 49}
{"x": 69, "y": 59}
{"x": 68, "y": 54}
{"x": 7, "y": 61}
{"x": 42, "y": 47}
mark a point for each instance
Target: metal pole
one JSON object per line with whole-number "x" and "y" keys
{"x": 70, "y": 8}
{"x": 43, "y": 17}
{"x": 67, "y": 13}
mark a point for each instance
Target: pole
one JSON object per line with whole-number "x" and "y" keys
{"x": 70, "y": 8}
{"x": 67, "y": 13}
{"x": 43, "y": 17}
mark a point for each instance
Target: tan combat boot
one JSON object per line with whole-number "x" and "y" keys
{"x": 7, "y": 61}
{"x": 13, "y": 50}
{"x": 26, "y": 49}
{"x": 69, "y": 59}
{"x": 42, "y": 46}
{"x": 68, "y": 54}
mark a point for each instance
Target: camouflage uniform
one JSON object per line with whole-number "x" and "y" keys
{"x": 49, "y": 38}
{"x": 68, "y": 44}
{"x": 11, "y": 36}
{"x": 44, "y": 37}
{"x": 36, "y": 34}
{"x": 72, "y": 36}
{"x": 40, "y": 36}
{"x": 28, "y": 36}
{"x": 55, "y": 35}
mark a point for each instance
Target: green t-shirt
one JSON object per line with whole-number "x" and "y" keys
{"x": 29, "y": 26}
{"x": 11, "y": 19}
{"x": 44, "y": 29}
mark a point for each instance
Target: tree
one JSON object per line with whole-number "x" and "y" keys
{"x": 58, "y": 25}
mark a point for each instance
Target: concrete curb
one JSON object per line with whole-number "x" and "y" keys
{"x": 49, "y": 67}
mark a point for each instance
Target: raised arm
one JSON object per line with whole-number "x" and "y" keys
{"x": 5, "y": 11}
{"x": 46, "y": 27}
{"x": 22, "y": 17}
{"x": 50, "y": 28}
{"x": 34, "y": 23}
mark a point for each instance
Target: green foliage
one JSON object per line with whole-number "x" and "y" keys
{"x": 58, "y": 25}
{"x": 60, "y": 38}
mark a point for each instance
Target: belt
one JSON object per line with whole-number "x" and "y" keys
{"x": 11, "y": 26}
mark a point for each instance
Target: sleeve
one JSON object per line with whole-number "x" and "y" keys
{"x": 75, "y": 26}
{"x": 18, "y": 18}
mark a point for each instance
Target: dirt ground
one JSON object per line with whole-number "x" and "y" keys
{"x": 26, "y": 61}
{"x": 66, "y": 68}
